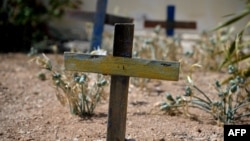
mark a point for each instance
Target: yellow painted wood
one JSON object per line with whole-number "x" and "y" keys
{"x": 122, "y": 66}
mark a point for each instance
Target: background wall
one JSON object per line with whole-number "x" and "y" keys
{"x": 207, "y": 13}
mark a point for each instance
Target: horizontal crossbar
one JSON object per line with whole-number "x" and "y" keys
{"x": 90, "y": 17}
{"x": 122, "y": 66}
{"x": 176, "y": 24}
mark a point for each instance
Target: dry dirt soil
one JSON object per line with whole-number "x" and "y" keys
{"x": 30, "y": 111}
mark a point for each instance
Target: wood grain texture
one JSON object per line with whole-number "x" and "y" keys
{"x": 122, "y": 66}
{"x": 118, "y": 102}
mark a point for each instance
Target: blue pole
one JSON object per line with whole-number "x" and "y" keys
{"x": 100, "y": 14}
{"x": 170, "y": 20}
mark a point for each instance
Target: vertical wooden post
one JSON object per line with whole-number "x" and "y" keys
{"x": 100, "y": 14}
{"x": 117, "y": 114}
{"x": 170, "y": 20}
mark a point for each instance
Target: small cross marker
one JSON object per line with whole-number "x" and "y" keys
{"x": 121, "y": 66}
{"x": 170, "y": 24}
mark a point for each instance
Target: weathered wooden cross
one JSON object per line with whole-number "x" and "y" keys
{"x": 121, "y": 66}
{"x": 170, "y": 22}
{"x": 99, "y": 18}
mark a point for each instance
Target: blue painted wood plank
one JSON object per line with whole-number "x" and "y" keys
{"x": 100, "y": 14}
{"x": 170, "y": 20}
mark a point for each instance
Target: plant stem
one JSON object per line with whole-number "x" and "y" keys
{"x": 201, "y": 99}
{"x": 243, "y": 115}
{"x": 202, "y": 104}
{"x": 83, "y": 99}
{"x": 201, "y": 108}
{"x": 203, "y": 93}
{"x": 241, "y": 105}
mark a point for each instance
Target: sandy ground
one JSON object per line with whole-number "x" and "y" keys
{"x": 30, "y": 111}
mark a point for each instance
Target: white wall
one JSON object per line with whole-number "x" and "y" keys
{"x": 207, "y": 13}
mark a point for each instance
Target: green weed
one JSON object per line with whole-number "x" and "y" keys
{"x": 81, "y": 91}
{"x": 232, "y": 102}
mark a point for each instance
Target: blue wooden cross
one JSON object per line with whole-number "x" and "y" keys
{"x": 99, "y": 18}
{"x": 170, "y": 24}
{"x": 96, "y": 40}
{"x": 170, "y": 18}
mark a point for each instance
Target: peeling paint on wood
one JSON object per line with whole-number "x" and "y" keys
{"x": 122, "y": 66}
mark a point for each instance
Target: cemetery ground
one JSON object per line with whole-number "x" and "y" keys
{"x": 29, "y": 109}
